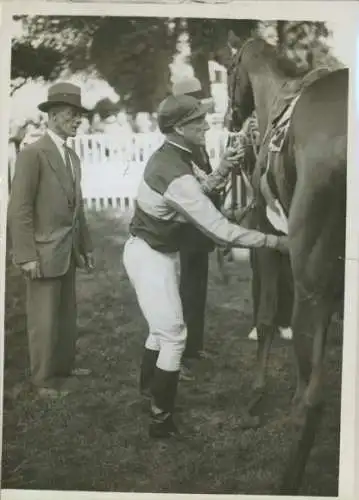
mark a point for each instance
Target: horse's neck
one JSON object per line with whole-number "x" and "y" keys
{"x": 266, "y": 90}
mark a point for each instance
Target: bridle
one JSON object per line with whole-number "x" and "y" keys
{"x": 231, "y": 186}
{"x": 232, "y": 70}
{"x": 234, "y": 113}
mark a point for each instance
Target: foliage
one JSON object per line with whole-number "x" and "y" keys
{"x": 208, "y": 40}
{"x": 133, "y": 54}
{"x": 51, "y": 45}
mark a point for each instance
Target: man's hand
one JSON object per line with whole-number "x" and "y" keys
{"x": 89, "y": 261}
{"x": 279, "y": 243}
{"x": 232, "y": 156}
{"x": 283, "y": 244}
{"x": 31, "y": 270}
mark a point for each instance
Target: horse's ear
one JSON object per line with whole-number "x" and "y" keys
{"x": 234, "y": 41}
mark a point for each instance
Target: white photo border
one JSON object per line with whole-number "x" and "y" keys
{"x": 348, "y": 12}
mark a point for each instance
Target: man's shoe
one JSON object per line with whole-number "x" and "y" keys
{"x": 253, "y": 334}
{"x": 286, "y": 333}
{"x": 186, "y": 374}
{"x": 162, "y": 426}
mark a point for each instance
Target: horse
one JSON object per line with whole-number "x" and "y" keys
{"x": 308, "y": 180}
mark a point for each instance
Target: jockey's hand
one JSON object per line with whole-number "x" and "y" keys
{"x": 31, "y": 270}
{"x": 232, "y": 156}
{"x": 279, "y": 243}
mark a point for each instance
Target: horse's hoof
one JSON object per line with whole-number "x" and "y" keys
{"x": 250, "y": 422}
{"x": 299, "y": 413}
{"x": 298, "y": 397}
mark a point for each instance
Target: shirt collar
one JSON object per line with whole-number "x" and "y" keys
{"x": 179, "y": 146}
{"x": 178, "y": 142}
{"x": 60, "y": 143}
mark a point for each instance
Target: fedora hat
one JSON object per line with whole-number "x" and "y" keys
{"x": 192, "y": 86}
{"x": 63, "y": 93}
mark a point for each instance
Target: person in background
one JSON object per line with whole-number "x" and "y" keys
{"x": 272, "y": 282}
{"x": 194, "y": 255}
{"x": 169, "y": 199}
{"x": 50, "y": 238}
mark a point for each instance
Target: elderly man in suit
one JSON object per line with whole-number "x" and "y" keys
{"x": 50, "y": 239}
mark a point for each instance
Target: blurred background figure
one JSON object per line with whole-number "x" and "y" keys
{"x": 143, "y": 123}
{"x": 194, "y": 256}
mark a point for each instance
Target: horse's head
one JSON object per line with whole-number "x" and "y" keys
{"x": 241, "y": 99}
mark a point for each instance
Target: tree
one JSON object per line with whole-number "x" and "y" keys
{"x": 131, "y": 54}
{"x": 141, "y": 50}
{"x": 49, "y": 46}
{"x": 208, "y": 39}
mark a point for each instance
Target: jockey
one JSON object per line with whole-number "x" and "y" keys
{"x": 169, "y": 199}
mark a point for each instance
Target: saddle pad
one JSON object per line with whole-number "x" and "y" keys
{"x": 277, "y": 218}
{"x": 280, "y": 130}
{"x": 274, "y": 210}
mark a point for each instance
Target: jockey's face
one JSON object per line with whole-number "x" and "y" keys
{"x": 194, "y": 132}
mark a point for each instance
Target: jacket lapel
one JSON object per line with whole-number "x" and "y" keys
{"x": 58, "y": 166}
{"x": 77, "y": 172}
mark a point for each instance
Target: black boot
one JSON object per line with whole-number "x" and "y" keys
{"x": 164, "y": 391}
{"x": 148, "y": 365}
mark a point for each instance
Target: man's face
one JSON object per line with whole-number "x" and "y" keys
{"x": 67, "y": 119}
{"x": 194, "y": 132}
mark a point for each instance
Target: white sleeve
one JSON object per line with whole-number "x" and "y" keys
{"x": 186, "y": 196}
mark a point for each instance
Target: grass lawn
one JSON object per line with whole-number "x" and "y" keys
{"x": 96, "y": 438}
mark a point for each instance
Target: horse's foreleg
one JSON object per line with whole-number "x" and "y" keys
{"x": 265, "y": 338}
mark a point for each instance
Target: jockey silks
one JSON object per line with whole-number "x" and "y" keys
{"x": 170, "y": 196}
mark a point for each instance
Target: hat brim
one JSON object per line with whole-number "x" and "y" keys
{"x": 47, "y": 105}
{"x": 203, "y": 109}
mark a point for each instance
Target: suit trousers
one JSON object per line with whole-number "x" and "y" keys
{"x": 193, "y": 291}
{"x": 154, "y": 277}
{"x": 272, "y": 287}
{"x": 51, "y": 323}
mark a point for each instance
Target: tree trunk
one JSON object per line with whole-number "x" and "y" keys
{"x": 201, "y": 71}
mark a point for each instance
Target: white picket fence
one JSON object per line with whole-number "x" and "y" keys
{"x": 112, "y": 167}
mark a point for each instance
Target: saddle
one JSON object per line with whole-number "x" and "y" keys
{"x": 275, "y": 139}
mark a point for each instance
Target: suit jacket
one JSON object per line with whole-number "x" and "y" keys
{"x": 194, "y": 241}
{"x": 46, "y": 216}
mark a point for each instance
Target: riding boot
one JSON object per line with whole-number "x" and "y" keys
{"x": 164, "y": 391}
{"x": 148, "y": 365}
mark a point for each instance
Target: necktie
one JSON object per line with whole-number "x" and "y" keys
{"x": 68, "y": 161}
